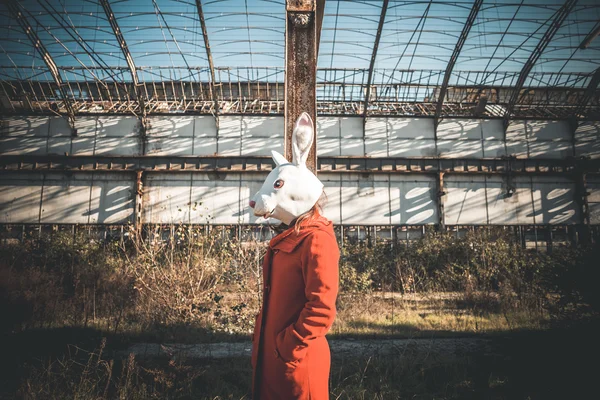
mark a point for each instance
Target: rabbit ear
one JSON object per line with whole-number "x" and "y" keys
{"x": 278, "y": 158}
{"x": 302, "y": 139}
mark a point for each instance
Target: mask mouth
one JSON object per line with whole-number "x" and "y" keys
{"x": 265, "y": 215}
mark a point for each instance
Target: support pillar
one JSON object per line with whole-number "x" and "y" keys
{"x": 301, "y": 46}
{"x": 139, "y": 205}
{"x": 441, "y": 197}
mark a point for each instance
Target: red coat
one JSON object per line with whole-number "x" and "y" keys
{"x": 290, "y": 355}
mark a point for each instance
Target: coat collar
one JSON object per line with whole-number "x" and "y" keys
{"x": 288, "y": 240}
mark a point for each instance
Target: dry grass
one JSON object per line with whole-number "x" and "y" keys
{"x": 430, "y": 315}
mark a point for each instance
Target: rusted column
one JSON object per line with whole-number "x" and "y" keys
{"x": 301, "y": 70}
{"x": 139, "y": 206}
{"x": 441, "y": 197}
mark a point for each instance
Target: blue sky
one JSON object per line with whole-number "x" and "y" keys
{"x": 165, "y": 38}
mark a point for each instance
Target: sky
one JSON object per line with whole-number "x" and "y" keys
{"x": 246, "y": 36}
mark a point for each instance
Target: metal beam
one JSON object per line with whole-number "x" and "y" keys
{"x": 457, "y": 49}
{"x": 301, "y": 70}
{"x": 211, "y": 66}
{"x": 326, "y": 164}
{"x": 587, "y": 96}
{"x": 14, "y": 9}
{"x": 384, "y": 8}
{"x": 559, "y": 18}
{"x": 590, "y": 37}
{"x": 130, "y": 63}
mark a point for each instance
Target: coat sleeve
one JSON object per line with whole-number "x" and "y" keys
{"x": 320, "y": 257}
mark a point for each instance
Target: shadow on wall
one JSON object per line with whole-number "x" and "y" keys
{"x": 65, "y": 199}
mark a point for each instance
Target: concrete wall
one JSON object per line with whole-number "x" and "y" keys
{"x": 338, "y": 136}
{"x": 222, "y": 198}
{"x": 383, "y": 199}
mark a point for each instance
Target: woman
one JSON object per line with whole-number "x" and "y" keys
{"x": 290, "y": 355}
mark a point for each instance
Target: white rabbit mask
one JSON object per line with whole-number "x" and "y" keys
{"x": 291, "y": 189}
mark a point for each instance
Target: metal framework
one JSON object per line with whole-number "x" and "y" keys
{"x": 588, "y": 95}
{"x": 201, "y": 58}
{"x": 457, "y": 50}
{"x": 329, "y": 164}
{"x": 129, "y": 59}
{"x": 211, "y": 66}
{"x": 15, "y": 10}
{"x": 384, "y": 8}
{"x": 555, "y": 24}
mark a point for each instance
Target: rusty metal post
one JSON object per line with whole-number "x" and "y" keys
{"x": 301, "y": 48}
{"x": 441, "y": 196}
{"x": 139, "y": 205}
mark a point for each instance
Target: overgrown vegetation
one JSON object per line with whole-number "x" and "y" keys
{"x": 188, "y": 285}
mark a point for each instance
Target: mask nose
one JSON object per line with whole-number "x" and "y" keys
{"x": 252, "y": 203}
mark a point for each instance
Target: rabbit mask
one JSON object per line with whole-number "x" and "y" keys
{"x": 291, "y": 189}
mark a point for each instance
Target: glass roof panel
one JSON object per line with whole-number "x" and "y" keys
{"x": 421, "y": 35}
{"x": 348, "y": 33}
{"x": 164, "y": 37}
{"x": 166, "y": 42}
{"x": 246, "y": 33}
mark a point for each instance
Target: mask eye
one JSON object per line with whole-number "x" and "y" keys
{"x": 278, "y": 184}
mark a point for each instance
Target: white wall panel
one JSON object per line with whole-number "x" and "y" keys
{"x": 517, "y": 148}
{"x": 353, "y": 147}
{"x": 229, "y": 145}
{"x": 85, "y": 141}
{"x": 549, "y": 139}
{"x": 260, "y": 135}
{"x": 118, "y": 146}
{"x": 410, "y": 128}
{"x": 59, "y": 126}
{"x": 26, "y": 145}
{"x": 230, "y": 126}
{"x": 493, "y": 149}
{"x": 548, "y": 130}
{"x": 509, "y": 210}
{"x": 554, "y": 201}
{"x": 205, "y": 126}
{"x": 59, "y": 145}
{"x": 20, "y": 196}
{"x": 113, "y": 199}
{"x": 458, "y": 129}
{"x": 364, "y": 200}
{"x": 167, "y": 198}
{"x": 465, "y": 148}
{"x": 250, "y": 184}
{"x": 170, "y": 146}
{"x": 465, "y": 201}
{"x": 333, "y": 189}
{"x": 351, "y": 127}
{"x": 328, "y": 127}
{"x": 550, "y": 149}
{"x": 66, "y": 199}
{"x": 492, "y": 129}
{"x": 117, "y": 126}
{"x": 376, "y": 128}
{"x": 413, "y": 200}
{"x": 593, "y": 188}
{"x": 587, "y": 139}
{"x": 171, "y": 126}
{"x": 516, "y": 130}
{"x": 216, "y": 198}
{"x": 411, "y": 148}
{"x": 204, "y": 146}
{"x": 376, "y": 147}
{"x": 328, "y": 146}
{"x": 25, "y": 126}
